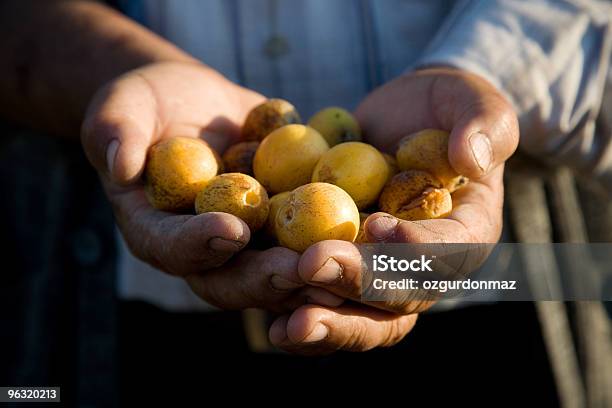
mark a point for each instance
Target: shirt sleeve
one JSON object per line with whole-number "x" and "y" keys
{"x": 551, "y": 59}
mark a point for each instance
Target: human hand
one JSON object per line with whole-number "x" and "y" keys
{"x": 164, "y": 100}
{"x": 484, "y": 133}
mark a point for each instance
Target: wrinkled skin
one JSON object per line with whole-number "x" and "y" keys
{"x": 449, "y": 99}
{"x": 159, "y": 101}
{"x": 169, "y": 99}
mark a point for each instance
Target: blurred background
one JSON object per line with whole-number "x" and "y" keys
{"x": 62, "y": 323}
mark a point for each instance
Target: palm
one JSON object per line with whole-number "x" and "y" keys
{"x": 140, "y": 108}
{"x": 166, "y": 100}
{"x": 193, "y": 101}
{"x": 460, "y": 103}
{"x": 435, "y": 98}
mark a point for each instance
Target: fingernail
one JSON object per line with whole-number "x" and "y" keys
{"x": 111, "y": 153}
{"x": 280, "y": 283}
{"x": 330, "y": 272}
{"x": 224, "y": 245}
{"x": 382, "y": 228}
{"x": 278, "y": 330}
{"x": 319, "y": 332}
{"x": 481, "y": 150}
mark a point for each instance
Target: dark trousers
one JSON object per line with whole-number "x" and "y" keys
{"x": 482, "y": 355}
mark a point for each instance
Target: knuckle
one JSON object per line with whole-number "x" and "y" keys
{"x": 174, "y": 246}
{"x": 406, "y": 231}
{"x": 357, "y": 338}
{"x": 394, "y": 333}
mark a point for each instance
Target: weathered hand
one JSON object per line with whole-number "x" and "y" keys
{"x": 186, "y": 99}
{"x": 484, "y": 133}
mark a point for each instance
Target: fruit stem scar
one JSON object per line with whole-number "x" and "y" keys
{"x": 289, "y": 214}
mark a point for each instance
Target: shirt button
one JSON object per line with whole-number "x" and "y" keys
{"x": 86, "y": 247}
{"x": 276, "y": 47}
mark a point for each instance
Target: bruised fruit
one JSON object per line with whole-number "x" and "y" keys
{"x": 336, "y": 125}
{"x": 176, "y": 171}
{"x": 267, "y": 117}
{"x": 415, "y": 195}
{"x": 428, "y": 150}
{"x": 238, "y": 158}
{"x": 276, "y": 201}
{"x": 361, "y": 235}
{"x": 236, "y": 194}
{"x": 357, "y": 168}
{"x": 286, "y": 157}
{"x": 316, "y": 212}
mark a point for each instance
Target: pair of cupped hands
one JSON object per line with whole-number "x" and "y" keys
{"x": 316, "y": 295}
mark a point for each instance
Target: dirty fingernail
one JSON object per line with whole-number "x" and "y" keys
{"x": 278, "y": 330}
{"x": 330, "y": 272}
{"x": 319, "y": 333}
{"x": 481, "y": 150}
{"x": 224, "y": 245}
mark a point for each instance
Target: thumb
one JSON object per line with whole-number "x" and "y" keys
{"x": 485, "y": 134}
{"x": 482, "y": 139}
{"x": 120, "y": 125}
